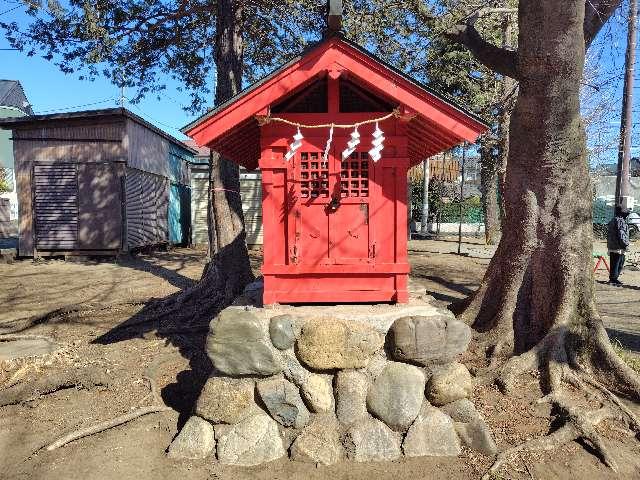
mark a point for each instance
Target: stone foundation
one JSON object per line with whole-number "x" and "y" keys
{"x": 327, "y": 383}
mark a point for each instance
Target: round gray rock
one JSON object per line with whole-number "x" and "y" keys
{"x": 449, "y": 383}
{"x": 351, "y": 396}
{"x": 238, "y": 345}
{"x": 283, "y": 401}
{"x": 428, "y": 340}
{"x": 226, "y": 400}
{"x": 396, "y": 395}
{"x": 370, "y": 440}
{"x": 282, "y": 332}
{"x": 196, "y": 440}
{"x": 432, "y": 434}
{"x": 253, "y": 441}
{"x": 319, "y": 442}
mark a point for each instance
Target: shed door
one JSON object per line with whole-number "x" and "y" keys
{"x": 331, "y": 214}
{"x": 147, "y": 208}
{"x": 55, "y": 192}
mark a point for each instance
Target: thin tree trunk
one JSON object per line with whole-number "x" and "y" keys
{"x": 489, "y": 190}
{"x": 509, "y": 86}
{"x": 227, "y": 237}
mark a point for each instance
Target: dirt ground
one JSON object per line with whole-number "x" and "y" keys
{"x": 94, "y": 339}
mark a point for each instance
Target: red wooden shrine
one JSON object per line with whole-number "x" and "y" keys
{"x": 334, "y": 230}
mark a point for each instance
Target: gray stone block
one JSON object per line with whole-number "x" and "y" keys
{"x": 395, "y": 397}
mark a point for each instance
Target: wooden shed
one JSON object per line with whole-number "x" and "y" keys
{"x": 334, "y": 133}
{"x": 98, "y": 182}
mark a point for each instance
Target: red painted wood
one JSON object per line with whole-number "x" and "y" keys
{"x": 335, "y": 57}
{"x": 335, "y": 229}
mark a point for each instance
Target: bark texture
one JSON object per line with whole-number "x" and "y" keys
{"x": 490, "y": 197}
{"x": 535, "y": 308}
{"x": 228, "y": 270}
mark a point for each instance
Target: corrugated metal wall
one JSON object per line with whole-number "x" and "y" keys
{"x": 251, "y": 191}
{"x": 147, "y": 200}
{"x": 199, "y": 199}
{"x": 55, "y": 198}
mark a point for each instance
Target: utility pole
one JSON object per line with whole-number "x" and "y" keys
{"x": 424, "y": 230}
{"x": 626, "y": 120}
{"x": 464, "y": 157}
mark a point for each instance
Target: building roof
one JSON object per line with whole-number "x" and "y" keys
{"x": 12, "y": 95}
{"x": 439, "y": 124}
{"x": 10, "y": 123}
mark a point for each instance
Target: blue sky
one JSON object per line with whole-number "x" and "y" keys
{"x": 49, "y": 90}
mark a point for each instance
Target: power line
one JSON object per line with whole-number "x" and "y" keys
{"x": 11, "y": 9}
{"x": 75, "y": 106}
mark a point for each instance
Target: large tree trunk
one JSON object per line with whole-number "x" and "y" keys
{"x": 537, "y": 296}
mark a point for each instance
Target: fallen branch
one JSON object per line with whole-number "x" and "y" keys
{"x": 87, "y": 378}
{"x": 100, "y": 427}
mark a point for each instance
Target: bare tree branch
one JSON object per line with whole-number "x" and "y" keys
{"x": 596, "y": 14}
{"x": 498, "y": 59}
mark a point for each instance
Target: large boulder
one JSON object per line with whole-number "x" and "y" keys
{"x": 282, "y": 331}
{"x": 318, "y": 393}
{"x": 327, "y": 344}
{"x": 351, "y": 396}
{"x": 238, "y": 345}
{"x": 226, "y": 400}
{"x": 428, "y": 340}
{"x": 370, "y": 440}
{"x": 396, "y": 395}
{"x": 253, "y": 441}
{"x": 319, "y": 442}
{"x": 196, "y": 440}
{"x": 449, "y": 383}
{"x": 432, "y": 434}
{"x": 283, "y": 401}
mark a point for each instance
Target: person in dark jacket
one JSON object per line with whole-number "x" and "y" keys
{"x": 617, "y": 244}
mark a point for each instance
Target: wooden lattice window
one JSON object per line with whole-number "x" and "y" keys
{"x": 354, "y": 176}
{"x": 314, "y": 175}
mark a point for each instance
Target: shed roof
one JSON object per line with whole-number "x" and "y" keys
{"x": 12, "y": 95}
{"x": 9, "y": 123}
{"x": 438, "y": 124}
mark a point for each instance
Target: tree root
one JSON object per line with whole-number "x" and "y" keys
{"x": 76, "y": 378}
{"x": 102, "y": 426}
{"x": 578, "y": 426}
{"x": 556, "y": 358}
{"x": 158, "y": 406}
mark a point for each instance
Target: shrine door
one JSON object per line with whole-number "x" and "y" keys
{"x": 332, "y": 207}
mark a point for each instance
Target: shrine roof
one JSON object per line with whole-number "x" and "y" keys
{"x": 227, "y": 127}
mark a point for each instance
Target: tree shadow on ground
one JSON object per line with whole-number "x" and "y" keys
{"x": 629, "y": 341}
{"x": 456, "y": 287}
{"x": 174, "y": 277}
{"x": 182, "y": 319}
